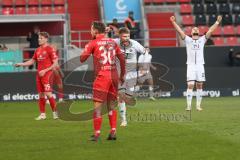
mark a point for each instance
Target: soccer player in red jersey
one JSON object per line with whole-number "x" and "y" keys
{"x": 105, "y": 52}
{"x": 47, "y": 60}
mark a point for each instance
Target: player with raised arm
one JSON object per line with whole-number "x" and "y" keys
{"x": 105, "y": 52}
{"x": 195, "y": 60}
{"x": 129, "y": 48}
{"x": 47, "y": 60}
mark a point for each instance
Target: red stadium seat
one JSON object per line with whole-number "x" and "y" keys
{"x": 20, "y": 2}
{"x": 188, "y": 30}
{"x": 62, "y": 2}
{"x": 46, "y": 10}
{"x": 7, "y": 2}
{"x": 203, "y": 29}
{"x": 158, "y": 1}
{"x": 187, "y": 20}
{"x": 33, "y": 10}
{"x": 184, "y": 1}
{"x": 148, "y": 1}
{"x": 7, "y": 11}
{"x": 46, "y": 2}
{"x": 59, "y": 10}
{"x": 228, "y": 30}
{"x": 232, "y": 41}
{"x": 185, "y": 8}
{"x": 171, "y": 1}
{"x": 20, "y": 10}
{"x": 238, "y": 30}
{"x": 33, "y": 2}
{"x": 218, "y": 41}
{"x": 217, "y": 32}
{"x": 26, "y": 55}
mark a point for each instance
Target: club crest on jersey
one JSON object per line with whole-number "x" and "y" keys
{"x": 41, "y": 57}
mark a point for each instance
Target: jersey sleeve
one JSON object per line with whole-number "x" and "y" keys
{"x": 88, "y": 50}
{"x": 140, "y": 48}
{"x": 203, "y": 38}
{"x": 141, "y": 59}
{"x": 187, "y": 39}
{"x": 35, "y": 56}
{"x": 52, "y": 53}
{"x": 150, "y": 58}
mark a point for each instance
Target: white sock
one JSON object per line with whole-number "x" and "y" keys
{"x": 189, "y": 97}
{"x": 122, "y": 107}
{"x": 150, "y": 88}
{"x": 199, "y": 97}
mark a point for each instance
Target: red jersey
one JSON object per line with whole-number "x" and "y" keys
{"x": 45, "y": 56}
{"x": 104, "y": 51}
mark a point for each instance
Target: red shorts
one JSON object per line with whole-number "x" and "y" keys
{"x": 105, "y": 89}
{"x": 44, "y": 84}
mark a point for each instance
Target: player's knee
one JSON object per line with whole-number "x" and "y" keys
{"x": 199, "y": 85}
{"x": 190, "y": 84}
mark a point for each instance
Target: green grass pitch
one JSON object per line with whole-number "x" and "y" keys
{"x": 213, "y": 134}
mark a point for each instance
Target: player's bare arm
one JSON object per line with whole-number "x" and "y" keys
{"x": 177, "y": 27}
{"x": 24, "y": 64}
{"x": 55, "y": 64}
{"x": 213, "y": 27}
{"x": 84, "y": 55}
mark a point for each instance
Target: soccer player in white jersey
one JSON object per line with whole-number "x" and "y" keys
{"x": 129, "y": 48}
{"x": 195, "y": 60}
{"x": 144, "y": 73}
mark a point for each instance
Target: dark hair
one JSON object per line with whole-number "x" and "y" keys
{"x": 44, "y": 34}
{"x": 99, "y": 26}
{"x": 124, "y": 30}
{"x": 130, "y": 12}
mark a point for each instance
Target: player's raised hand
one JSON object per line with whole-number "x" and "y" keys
{"x": 172, "y": 19}
{"x": 219, "y": 19}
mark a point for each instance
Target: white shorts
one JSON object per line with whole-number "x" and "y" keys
{"x": 129, "y": 84}
{"x": 143, "y": 77}
{"x": 196, "y": 73}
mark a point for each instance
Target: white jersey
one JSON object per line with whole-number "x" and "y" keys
{"x": 130, "y": 53}
{"x": 195, "y": 50}
{"x": 145, "y": 61}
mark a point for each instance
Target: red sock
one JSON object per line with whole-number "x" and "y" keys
{"x": 52, "y": 103}
{"x": 112, "y": 115}
{"x": 42, "y": 103}
{"x": 60, "y": 93}
{"x": 97, "y": 122}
